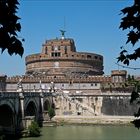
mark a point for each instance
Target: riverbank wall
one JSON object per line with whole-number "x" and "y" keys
{"x": 95, "y": 120}
{"x": 118, "y": 106}
{"x": 88, "y": 105}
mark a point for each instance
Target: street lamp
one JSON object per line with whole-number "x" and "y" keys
{"x": 19, "y": 85}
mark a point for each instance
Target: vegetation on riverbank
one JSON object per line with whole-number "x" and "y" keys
{"x": 51, "y": 112}
{"x": 2, "y": 137}
{"x": 33, "y": 130}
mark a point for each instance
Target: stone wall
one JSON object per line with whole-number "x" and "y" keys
{"x": 68, "y": 62}
{"x": 110, "y": 105}
{"x": 118, "y": 106}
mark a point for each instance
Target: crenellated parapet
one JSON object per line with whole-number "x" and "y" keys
{"x": 118, "y": 76}
{"x": 49, "y": 79}
{"x": 118, "y": 72}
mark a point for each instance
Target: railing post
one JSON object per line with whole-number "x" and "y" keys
{"x": 42, "y": 101}
{"x": 21, "y": 97}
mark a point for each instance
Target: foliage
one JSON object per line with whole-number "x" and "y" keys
{"x": 2, "y": 137}
{"x": 131, "y": 21}
{"x": 9, "y": 26}
{"x": 51, "y": 112}
{"x": 135, "y": 98}
{"x": 34, "y": 129}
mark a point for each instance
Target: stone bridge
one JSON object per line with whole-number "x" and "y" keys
{"x": 17, "y": 108}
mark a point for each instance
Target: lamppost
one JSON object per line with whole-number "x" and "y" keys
{"x": 19, "y": 85}
{"x": 37, "y": 74}
{"x": 52, "y": 87}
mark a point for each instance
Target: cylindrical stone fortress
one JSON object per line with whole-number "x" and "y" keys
{"x": 59, "y": 56}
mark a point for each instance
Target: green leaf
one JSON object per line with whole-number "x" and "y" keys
{"x": 126, "y": 10}
{"x": 18, "y": 27}
{"x": 126, "y": 61}
{"x": 134, "y": 96}
{"x": 136, "y": 122}
{"x": 138, "y": 113}
{"x": 9, "y": 26}
{"x": 132, "y": 37}
{"x": 122, "y": 52}
{"x": 121, "y": 58}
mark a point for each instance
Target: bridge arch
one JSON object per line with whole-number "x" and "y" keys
{"x": 47, "y": 105}
{"x": 31, "y": 109}
{"x": 8, "y": 103}
{"x": 7, "y": 118}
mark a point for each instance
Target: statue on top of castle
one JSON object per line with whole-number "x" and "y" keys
{"x": 62, "y": 33}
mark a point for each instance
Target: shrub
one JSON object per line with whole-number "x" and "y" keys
{"x": 34, "y": 129}
{"x": 51, "y": 112}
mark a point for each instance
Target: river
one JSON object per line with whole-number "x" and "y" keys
{"x": 100, "y": 132}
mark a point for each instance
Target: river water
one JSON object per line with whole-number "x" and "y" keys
{"x": 88, "y": 133}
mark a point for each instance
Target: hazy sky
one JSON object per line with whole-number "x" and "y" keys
{"x": 93, "y": 24}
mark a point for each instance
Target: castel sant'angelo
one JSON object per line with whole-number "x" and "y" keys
{"x": 60, "y": 62}
{"x": 59, "y": 56}
{"x": 78, "y": 75}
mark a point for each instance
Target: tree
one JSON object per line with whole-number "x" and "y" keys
{"x": 131, "y": 21}
{"x": 9, "y": 26}
{"x": 135, "y": 98}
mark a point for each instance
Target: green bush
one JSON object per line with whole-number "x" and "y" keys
{"x": 2, "y": 137}
{"x": 34, "y": 129}
{"x": 51, "y": 112}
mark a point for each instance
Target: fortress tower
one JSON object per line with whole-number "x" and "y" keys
{"x": 59, "y": 56}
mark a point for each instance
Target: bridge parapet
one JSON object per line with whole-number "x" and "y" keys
{"x": 9, "y": 94}
{"x": 25, "y": 94}
{"x": 116, "y": 93}
{"x": 31, "y": 94}
{"x": 15, "y": 107}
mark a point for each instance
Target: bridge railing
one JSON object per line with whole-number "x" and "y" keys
{"x": 8, "y": 94}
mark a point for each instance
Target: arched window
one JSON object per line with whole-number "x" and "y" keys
{"x": 96, "y": 57}
{"x": 88, "y": 56}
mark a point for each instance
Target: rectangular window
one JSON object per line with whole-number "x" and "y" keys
{"x": 56, "y": 54}
{"x": 52, "y": 54}
{"x": 65, "y": 49}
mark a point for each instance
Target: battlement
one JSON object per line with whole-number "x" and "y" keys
{"x": 49, "y": 79}
{"x": 60, "y": 42}
{"x": 118, "y": 73}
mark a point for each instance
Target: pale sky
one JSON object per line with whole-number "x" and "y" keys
{"x": 93, "y": 24}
